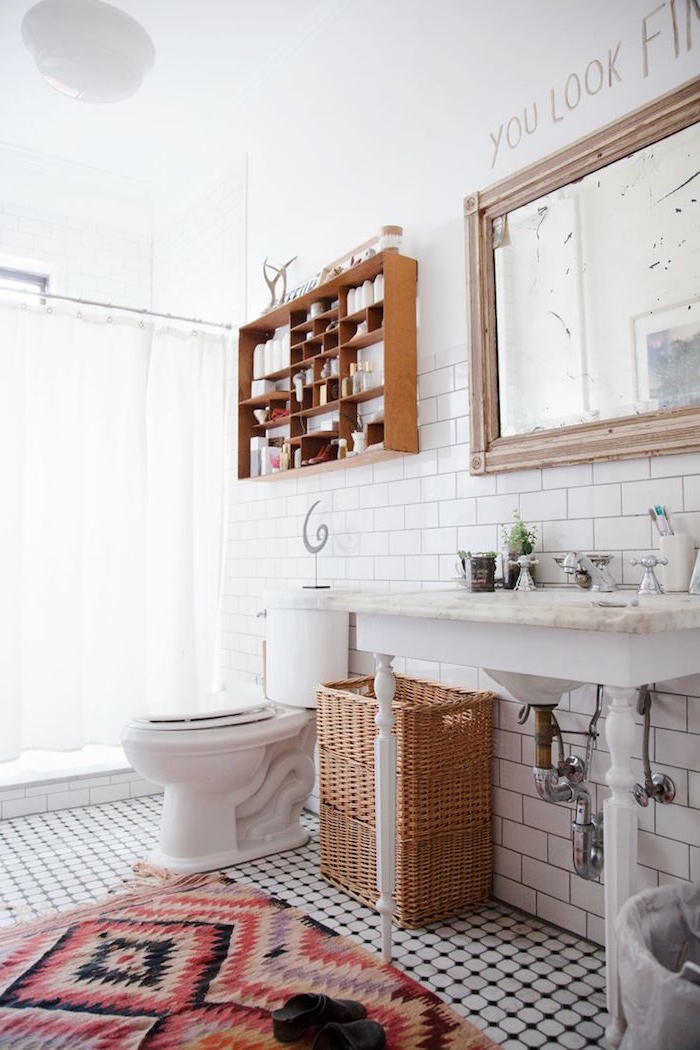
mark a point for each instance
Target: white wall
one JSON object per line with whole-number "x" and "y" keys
{"x": 90, "y": 231}
{"x": 199, "y": 252}
{"x": 392, "y": 116}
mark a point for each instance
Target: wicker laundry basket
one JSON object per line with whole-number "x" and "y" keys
{"x": 443, "y": 795}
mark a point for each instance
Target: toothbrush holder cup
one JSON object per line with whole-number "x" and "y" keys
{"x": 679, "y": 551}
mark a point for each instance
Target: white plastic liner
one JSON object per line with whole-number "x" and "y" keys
{"x": 657, "y": 931}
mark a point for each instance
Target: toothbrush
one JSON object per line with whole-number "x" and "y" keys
{"x": 662, "y": 521}
{"x": 652, "y": 515}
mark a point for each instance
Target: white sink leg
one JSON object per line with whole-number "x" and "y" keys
{"x": 620, "y": 839}
{"x": 385, "y": 797}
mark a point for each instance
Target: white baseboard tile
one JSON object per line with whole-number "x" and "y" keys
{"x": 24, "y": 807}
{"x": 561, "y": 914}
{"x": 514, "y": 893}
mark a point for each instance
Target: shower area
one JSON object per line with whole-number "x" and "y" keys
{"x": 114, "y": 425}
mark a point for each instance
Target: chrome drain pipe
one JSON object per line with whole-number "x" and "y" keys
{"x": 550, "y": 786}
{"x": 562, "y": 783}
{"x": 587, "y": 834}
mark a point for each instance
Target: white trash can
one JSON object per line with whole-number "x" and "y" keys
{"x": 658, "y": 933}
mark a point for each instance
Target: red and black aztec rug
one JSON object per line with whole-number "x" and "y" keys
{"x": 197, "y": 962}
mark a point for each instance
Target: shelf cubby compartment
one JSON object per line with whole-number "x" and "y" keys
{"x": 355, "y": 341}
{"x": 312, "y": 444}
{"x": 318, "y": 410}
{"x": 270, "y": 424}
{"x": 365, "y": 395}
{"x": 330, "y": 341}
{"x": 375, "y": 432}
{"x": 326, "y": 393}
{"x": 265, "y": 399}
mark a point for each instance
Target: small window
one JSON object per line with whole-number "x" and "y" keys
{"x": 20, "y": 283}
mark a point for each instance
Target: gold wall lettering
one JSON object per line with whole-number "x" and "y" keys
{"x": 669, "y": 29}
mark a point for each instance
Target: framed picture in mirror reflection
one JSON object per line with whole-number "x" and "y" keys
{"x": 667, "y": 356}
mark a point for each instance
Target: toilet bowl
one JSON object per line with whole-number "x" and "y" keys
{"x": 236, "y": 775}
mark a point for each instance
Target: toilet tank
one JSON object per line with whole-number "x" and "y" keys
{"x": 305, "y": 644}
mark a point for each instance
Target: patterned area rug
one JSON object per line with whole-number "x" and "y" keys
{"x": 197, "y": 962}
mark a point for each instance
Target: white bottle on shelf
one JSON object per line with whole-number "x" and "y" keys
{"x": 379, "y": 288}
{"x": 269, "y": 357}
{"x": 277, "y": 355}
{"x": 259, "y": 361}
{"x": 367, "y": 293}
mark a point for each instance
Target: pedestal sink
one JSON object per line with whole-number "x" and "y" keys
{"x": 526, "y": 639}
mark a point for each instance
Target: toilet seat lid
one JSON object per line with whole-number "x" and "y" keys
{"x": 236, "y": 714}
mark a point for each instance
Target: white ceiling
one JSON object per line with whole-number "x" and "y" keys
{"x": 209, "y": 53}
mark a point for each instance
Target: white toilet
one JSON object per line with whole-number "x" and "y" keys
{"x": 236, "y": 777}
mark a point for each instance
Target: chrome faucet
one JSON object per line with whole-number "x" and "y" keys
{"x": 587, "y": 574}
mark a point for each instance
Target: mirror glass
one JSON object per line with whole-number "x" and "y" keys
{"x": 598, "y": 293}
{"x": 583, "y": 288}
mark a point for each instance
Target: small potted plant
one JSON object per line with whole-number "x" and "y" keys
{"x": 518, "y": 539}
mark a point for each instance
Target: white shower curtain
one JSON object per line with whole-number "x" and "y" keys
{"x": 112, "y": 445}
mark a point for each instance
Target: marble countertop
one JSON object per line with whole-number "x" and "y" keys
{"x": 565, "y": 607}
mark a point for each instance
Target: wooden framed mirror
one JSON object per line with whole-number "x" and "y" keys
{"x": 583, "y": 290}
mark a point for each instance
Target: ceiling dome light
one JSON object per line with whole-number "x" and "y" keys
{"x": 87, "y": 49}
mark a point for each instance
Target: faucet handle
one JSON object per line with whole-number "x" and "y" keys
{"x": 649, "y": 584}
{"x": 525, "y": 581}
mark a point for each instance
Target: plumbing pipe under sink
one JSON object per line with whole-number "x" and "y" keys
{"x": 561, "y": 783}
{"x": 587, "y": 836}
{"x": 658, "y": 786}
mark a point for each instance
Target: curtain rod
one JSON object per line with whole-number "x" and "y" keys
{"x": 111, "y": 306}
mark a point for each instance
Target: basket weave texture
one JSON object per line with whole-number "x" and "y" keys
{"x": 443, "y": 788}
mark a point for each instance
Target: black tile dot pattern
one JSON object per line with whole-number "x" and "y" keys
{"x": 521, "y": 981}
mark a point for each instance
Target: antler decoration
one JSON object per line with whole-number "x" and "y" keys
{"x": 321, "y": 532}
{"x": 280, "y": 273}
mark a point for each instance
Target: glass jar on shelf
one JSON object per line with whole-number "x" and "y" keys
{"x": 390, "y": 238}
{"x": 358, "y": 378}
{"x": 346, "y": 387}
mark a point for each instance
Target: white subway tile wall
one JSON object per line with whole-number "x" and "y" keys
{"x": 397, "y": 526}
{"x": 87, "y": 260}
{"x": 88, "y": 790}
{"x": 199, "y": 255}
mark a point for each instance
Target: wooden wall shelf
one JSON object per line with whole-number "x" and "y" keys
{"x": 381, "y": 337}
